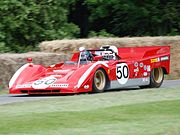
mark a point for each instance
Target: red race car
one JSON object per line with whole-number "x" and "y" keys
{"x": 95, "y": 70}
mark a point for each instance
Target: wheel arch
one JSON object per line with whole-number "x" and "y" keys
{"x": 164, "y": 70}
{"x": 156, "y": 78}
{"x": 87, "y": 78}
{"x": 107, "y": 77}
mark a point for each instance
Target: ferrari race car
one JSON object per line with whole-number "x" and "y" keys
{"x": 95, "y": 70}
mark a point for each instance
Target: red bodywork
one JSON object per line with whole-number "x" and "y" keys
{"x": 133, "y": 68}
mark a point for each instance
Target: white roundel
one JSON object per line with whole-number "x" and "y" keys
{"x": 43, "y": 83}
{"x": 122, "y": 73}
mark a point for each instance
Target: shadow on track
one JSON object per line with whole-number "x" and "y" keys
{"x": 59, "y": 95}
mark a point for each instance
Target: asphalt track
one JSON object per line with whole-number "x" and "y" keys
{"x": 7, "y": 99}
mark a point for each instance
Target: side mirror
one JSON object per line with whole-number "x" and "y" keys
{"x": 97, "y": 58}
{"x": 29, "y": 60}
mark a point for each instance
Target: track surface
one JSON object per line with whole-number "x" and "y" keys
{"x": 6, "y": 99}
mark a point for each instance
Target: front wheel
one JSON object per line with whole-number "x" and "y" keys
{"x": 156, "y": 78}
{"x": 99, "y": 81}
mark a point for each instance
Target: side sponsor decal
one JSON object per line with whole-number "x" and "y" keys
{"x": 148, "y": 68}
{"x": 136, "y": 69}
{"x": 141, "y": 64}
{"x": 164, "y": 58}
{"x": 86, "y": 86}
{"x": 23, "y": 86}
{"x": 59, "y": 85}
{"x": 122, "y": 73}
{"x": 155, "y": 60}
{"x": 145, "y": 74}
{"x": 145, "y": 67}
{"x": 145, "y": 79}
{"x": 136, "y": 64}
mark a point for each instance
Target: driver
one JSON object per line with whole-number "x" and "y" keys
{"x": 87, "y": 54}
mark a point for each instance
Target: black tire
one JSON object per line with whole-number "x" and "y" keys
{"x": 156, "y": 78}
{"x": 99, "y": 81}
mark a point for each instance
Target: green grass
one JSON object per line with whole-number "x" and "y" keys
{"x": 139, "y": 112}
{"x": 3, "y": 92}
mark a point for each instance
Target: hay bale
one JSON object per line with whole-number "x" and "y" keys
{"x": 69, "y": 46}
{"x": 11, "y": 62}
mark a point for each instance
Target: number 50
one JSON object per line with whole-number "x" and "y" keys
{"x": 122, "y": 73}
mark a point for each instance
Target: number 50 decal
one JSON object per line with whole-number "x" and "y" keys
{"x": 122, "y": 73}
{"x": 43, "y": 83}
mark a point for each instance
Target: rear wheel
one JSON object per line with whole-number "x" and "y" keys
{"x": 156, "y": 78}
{"x": 99, "y": 81}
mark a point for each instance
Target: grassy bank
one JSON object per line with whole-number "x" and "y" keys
{"x": 4, "y": 92}
{"x": 139, "y": 112}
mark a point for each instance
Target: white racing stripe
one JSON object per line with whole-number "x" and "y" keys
{"x": 86, "y": 74}
{"x": 16, "y": 75}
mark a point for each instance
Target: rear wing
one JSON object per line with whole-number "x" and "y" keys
{"x": 161, "y": 50}
{"x": 143, "y": 52}
{"x": 155, "y": 56}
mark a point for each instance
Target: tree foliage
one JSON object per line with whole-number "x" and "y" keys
{"x": 135, "y": 17}
{"x": 24, "y": 23}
